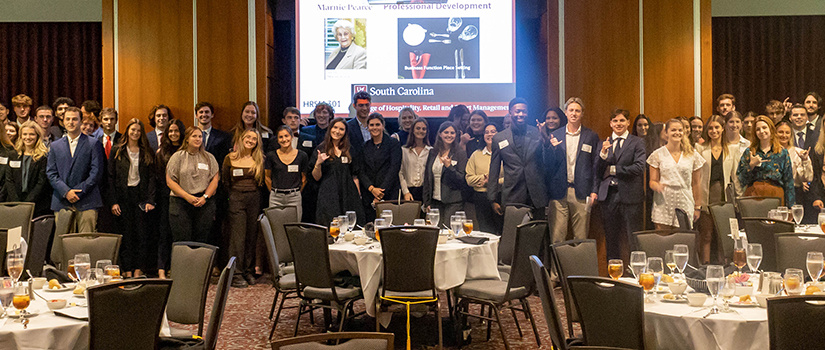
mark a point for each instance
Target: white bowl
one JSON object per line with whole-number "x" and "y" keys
{"x": 762, "y": 299}
{"x": 697, "y": 299}
{"x": 677, "y": 288}
{"x": 56, "y": 304}
{"x": 38, "y": 282}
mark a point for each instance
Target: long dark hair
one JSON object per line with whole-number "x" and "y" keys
{"x": 559, "y": 112}
{"x": 143, "y": 143}
{"x": 439, "y": 143}
{"x": 167, "y": 148}
{"x": 411, "y": 137}
{"x": 649, "y": 125}
{"x": 328, "y": 145}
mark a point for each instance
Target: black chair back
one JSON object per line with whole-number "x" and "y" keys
{"x": 99, "y": 246}
{"x": 210, "y": 340}
{"x": 612, "y": 312}
{"x": 513, "y": 217}
{"x": 756, "y": 207}
{"x": 763, "y": 231}
{"x": 137, "y": 307}
{"x": 404, "y": 212}
{"x": 310, "y": 252}
{"x": 14, "y": 214}
{"x": 796, "y": 322}
{"x": 42, "y": 229}
{"x": 530, "y": 237}
{"x": 409, "y": 258}
{"x": 191, "y": 267}
{"x": 792, "y": 249}
{"x": 353, "y": 340}
{"x": 548, "y": 303}
{"x": 721, "y": 214}
{"x": 574, "y": 258}
{"x": 278, "y": 216}
{"x": 685, "y": 223}
{"x": 656, "y": 242}
{"x": 271, "y": 251}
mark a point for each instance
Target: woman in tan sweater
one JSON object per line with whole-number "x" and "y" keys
{"x": 478, "y": 167}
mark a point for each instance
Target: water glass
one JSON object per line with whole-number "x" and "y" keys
{"x": 456, "y": 224}
{"x": 461, "y": 214}
{"x": 656, "y": 267}
{"x": 670, "y": 262}
{"x": 387, "y": 215}
{"x": 14, "y": 263}
{"x": 814, "y": 263}
{"x": 101, "y": 264}
{"x": 754, "y": 256}
{"x": 420, "y": 222}
{"x": 6, "y": 293}
{"x": 351, "y": 219}
{"x": 783, "y": 213}
{"x": 82, "y": 264}
{"x": 793, "y": 279}
{"x": 680, "y": 257}
{"x": 715, "y": 279}
{"x": 798, "y": 212}
{"x": 638, "y": 263}
{"x": 433, "y": 216}
{"x": 379, "y": 224}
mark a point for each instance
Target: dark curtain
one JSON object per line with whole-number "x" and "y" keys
{"x": 49, "y": 60}
{"x": 758, "y": 59}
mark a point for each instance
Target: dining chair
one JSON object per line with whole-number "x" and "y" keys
{"x": 284, "y": 283}
{"x": 548, "y": 303}
{"x": 99, "y": 246}
{"x": 403, "y": 212}
{"x": 792, "y": 249}
{"x": 278, "y": 216}
{"x": 42, "y": 228}
{"x": 355, "y": 340}
{"x": 756, "y": 207}
{"x": 612, "y": 312}
{"x": 191, "y": 266}
{"x": 576, "y": 257}
{"x": 408, "y": 254}
{"x": 135, "y": 306}
{"x": 721, "y": 213}
{"x": 61, "y": 227}
{"x": 313, "y": 275}
{"x": 499, "y": 295}
{"x": 17, "y": 214}
{"x": 685, "y": 223}
{"x": 513, "y": 217}
{"x": 655, "y": 242}
{"x": 763, "y": 231}
{"x": 795, "y": 322}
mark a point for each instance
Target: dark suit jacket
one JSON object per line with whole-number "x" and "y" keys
{"x": 83, "y": 172}
{"x": 118, "y": 170}
{"x": 55, "y": 133}
{"x": 522, "y": 170}
{"x": 356, "y": 140}
{"x": 812, "y": 135}
{"x": 311, "y": 133}
{"x": 584, "y": 175}
{"x": 380, "y": 167}
{"x": 152, "y": 136}
{"x": 452, "y": 178}
{"x": 219, "y": 144}
{"x": 39, "y": 190}
{"x": 114, "y": 139}
{"x": 630, "y": 169}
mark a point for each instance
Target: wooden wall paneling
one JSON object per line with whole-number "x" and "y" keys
{"x": 668, "y": 59}
{"x": 550, "y": 23}
{"x": 154, "y": 58}
{"x": 107, "y": 32}
{"x": 602, "y": 58}
{"x": 707, "y": 59}
{"x": 223, "y": 78}
{"x": 262, "y": 33}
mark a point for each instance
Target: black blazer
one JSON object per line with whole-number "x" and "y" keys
{"x": 585, "y": 181}
{"x": 117, "y": 138}
{"x": 118, "y": 171}
{"x": 522, "y": 170}
{"x": 356, "y": 140}
{"x": 452, "y": 178}
{"x": 39, "y": 189}
{"x": 219, "y": 144}
{"x": 379, "y": 167}
{"x": 630, "y": 169}
{"x": 55, "y": 132}
{"x": 154, "y": 143}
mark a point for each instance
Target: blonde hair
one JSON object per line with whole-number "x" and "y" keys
{"x": 685, "y": 143}
{"x": 256, "y": 153}
{"x": 40, "y": 149}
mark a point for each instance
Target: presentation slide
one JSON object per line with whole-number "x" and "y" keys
{"x": 426, "y": 54}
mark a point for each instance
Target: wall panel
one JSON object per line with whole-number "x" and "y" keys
{"x": 668, "y": 59}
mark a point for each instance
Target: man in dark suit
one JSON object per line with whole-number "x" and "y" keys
{"x": 621, "y": 184}
{"x": 75, "y": 167}
{"x": 813, "y": 125}
{"x": 570, "y": 163}
{"x": 516, "y": 152}
{"x": 159, "y": 119}
{"x": 217, "y": 142}
{"x": 44, "y": 116}
{"x": 357, "y": 127}
{"x": 109, "y": 139}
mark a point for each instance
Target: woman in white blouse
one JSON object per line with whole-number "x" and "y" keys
{"x": 413, "y": 158}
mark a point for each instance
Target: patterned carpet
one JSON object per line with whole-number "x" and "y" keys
{"x": 246, "y": 323}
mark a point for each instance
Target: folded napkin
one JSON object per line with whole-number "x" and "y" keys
{"x": 79, "y": 313}
{"x": 473, "y": 240}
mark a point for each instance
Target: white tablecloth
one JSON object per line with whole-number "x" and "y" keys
{"x": 455, "y": 262}
{"x": 49, "y": 331}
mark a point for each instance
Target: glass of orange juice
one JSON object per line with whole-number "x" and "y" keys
{"x": 21, "y": 299}
{"x": 379, "y": 224}
{"x": 468, "y": 226}
{"x": 647, "y": 281}
{"x": 614, "y": 268}
{"x": 335, "y": 229}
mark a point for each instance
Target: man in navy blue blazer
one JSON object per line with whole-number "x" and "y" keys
{"x": 570, "y": 164}
{"x": 75, "y": 168}
{"x": 357, "y": 127}
{"x": 621, "y": 179}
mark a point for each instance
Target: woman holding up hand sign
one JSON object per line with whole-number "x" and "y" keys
{"x": 765, "y": 167}
{"x": 337, "y": 175}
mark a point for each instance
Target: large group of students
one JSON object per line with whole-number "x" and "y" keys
{"x": 177, "y": 183}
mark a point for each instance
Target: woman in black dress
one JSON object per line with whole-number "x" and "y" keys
{"x": 169, "y": 144}
{"x": 379, "y": 166}
{"x": 444, "y": 174}
{"x": 337, "y": 175}
{"x": 26, "y": 179}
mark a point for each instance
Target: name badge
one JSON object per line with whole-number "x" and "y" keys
{"x": 454, "y": 162}
{"x": 203, "y": 166}
{"x": 265, "y": 135}
{"x": 587, "y": 148}
{"x": 307, "y": 143}
{"x": 237, "y": 172}
{"x": 4, "y": 160}
{"x": 503, "y": 144}
{"x": 344, "y": 160}
{"x": 14, "y": 164}
{"x": 292, "y": 168}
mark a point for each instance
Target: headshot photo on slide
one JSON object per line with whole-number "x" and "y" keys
{"x": 345, "y": 43}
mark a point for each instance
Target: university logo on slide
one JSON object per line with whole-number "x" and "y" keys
{"x": 359, "y": 88}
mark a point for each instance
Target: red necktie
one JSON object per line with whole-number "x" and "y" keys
{"x": 108, "y": 145}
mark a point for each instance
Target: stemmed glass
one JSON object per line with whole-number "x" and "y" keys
{"x": 670, "y": 262}
{"x": 343, "y": 223}
{"x": 715, "y": 280}
{"x": 467, "y": 225}
{"x": 638, "y": 263}
{"x": 814, "y": 263}
{"x": 433, "y": 216}
{"x": 379, "y": 224}
{"x": 614, "y": 268}
{"x": 798, "y": 212}
{"x": 6, "y": 293}
{"x": 680, "y": 257}
{"x": 456, "y": 224}
{"x": 727, "y": 290}
{"x": 82, "y": 265}
{"x": 783, "y": 213}
{"x": 740, "y": 257}
{"x": 387, "y": 215}
{"x": 334, "y": 228}
{"x": 657, "y": 268}
{"x": 14, "y": 263}
{"x": 113, "y": 271}
{"x": 101, "y": 264}
{"x": 21, "y": 299}
{"x": 351, "y": 219}
{"x": 793, "y": 281}
{"x": 754, "y": 256}
{"x": 820, "y": 219}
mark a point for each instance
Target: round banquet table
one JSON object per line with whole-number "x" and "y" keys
{"x": 49, "y": 331}
{"x": 455, "y": 262}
